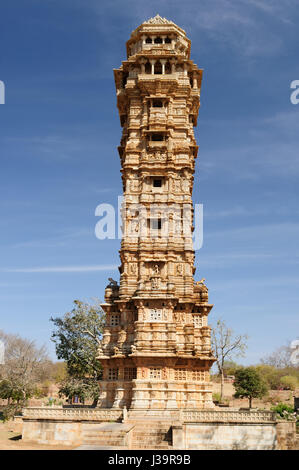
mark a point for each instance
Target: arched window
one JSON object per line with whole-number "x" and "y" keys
{"x": 167, "y": 40}
{"x": 158, "y": 40}
{"x": 158, "y": 68}
{"x": 167, "y": 67}
{"x": 148, "y": 40}
{"x": 148, "y": 68}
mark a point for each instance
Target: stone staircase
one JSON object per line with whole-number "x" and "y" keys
{"x": 151, "y": 435}
{"x": 130, "y": 435}
{"x": 107, "y": 435}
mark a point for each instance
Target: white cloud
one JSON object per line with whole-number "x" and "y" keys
{"x": 62, "y": 269}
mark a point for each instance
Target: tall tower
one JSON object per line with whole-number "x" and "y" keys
{"x": 156, "y": 350}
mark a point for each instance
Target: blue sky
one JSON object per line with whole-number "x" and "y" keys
{"x": 59, "y": 132}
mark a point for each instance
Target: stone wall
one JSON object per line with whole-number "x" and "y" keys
{"x": 191, "y": 429}
{"x": 230, "y": 436}
{"x": 52, "y": 432}
{"x": 286, "y": 435}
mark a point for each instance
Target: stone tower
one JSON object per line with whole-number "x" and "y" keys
{"x": 156, "y": 350}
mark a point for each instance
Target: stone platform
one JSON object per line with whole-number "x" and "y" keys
{"x": 157, "y": 429}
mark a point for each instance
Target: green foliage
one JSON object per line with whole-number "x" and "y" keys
{"x": 85, "y": 389}
{"x": 11, "y": 410}
{"x": 15, "y": 392}
{"x": 289, "y": 382}
{"x": 270, "y": 374}
{"x": 5, "y": 390}
{"x": 216, "y": 397}
{"x": 284, "y": 411}
{"x": 275, "y": 377}
{"x": 77, "y": 336}
{"x": 219, "y": 399}
{"x": 249, "y": 384}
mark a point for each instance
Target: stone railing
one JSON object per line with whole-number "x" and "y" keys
{"x": 183, "y": 416}
{"x": 77, "y": 414}
{"x": 227, "y": 416}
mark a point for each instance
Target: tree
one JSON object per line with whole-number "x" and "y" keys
{"x": 280, "y": 358}
{"x": 249, "y": 384}
{"x": 25, "y": 367}
{"x": 226, "y": 345}
{"x": 84, "y": 389}
{"x": 77, "y": 337}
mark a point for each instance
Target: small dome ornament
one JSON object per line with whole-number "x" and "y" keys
{"x": 158, "y": 20}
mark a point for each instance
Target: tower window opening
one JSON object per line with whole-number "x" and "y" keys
{"x": 124, "y": 79}
{"x": 180, "y": 374}
{"x": 155, "y": 373}
{"x": 148, "y": 68}
{"x": 157, "y": 182}
{"x": 167, "y": 40}
{"x": 148, "y": 40}
{"x": 156, "y": 315}
{"x": 156, "y": 224}
{"x": 114, "y": 320}
{"x": 157, "y": 137}
{"x": 130, "y": 373}
{"x": 197, "y": 321}
{"x": 113, "y": 374}
{"x": 167, "y": 67}
{"x": 158, "y": 68}
{"x": 158, "y": 40}
{"x": 157, "y": 103}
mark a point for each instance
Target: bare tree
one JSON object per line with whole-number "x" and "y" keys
{"x": 280, "y": 358}
{"x": 226, "y": 345}
{"x": 25, "y": 366}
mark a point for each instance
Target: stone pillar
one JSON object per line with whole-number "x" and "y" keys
{"x": 173, "y": 64}
{"x": 163, "y": 62}
{"x": 153, "y": 61}
{"x": 142, "y": 62}
{"x": 195, "y": 81}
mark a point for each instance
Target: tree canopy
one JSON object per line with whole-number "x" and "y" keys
{"x": 77, "y": 337}
{"x": 249, "y": 384}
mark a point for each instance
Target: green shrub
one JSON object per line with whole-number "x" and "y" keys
{"x": 284, "y": 411}
{"x": 216, "y": 397}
